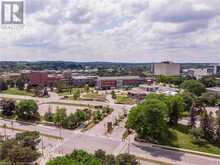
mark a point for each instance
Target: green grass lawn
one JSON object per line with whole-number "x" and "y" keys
{"x": 67, "y": 92}
{"x": 15, "y": 91}
{"x": 94, "y": 96}
{"x": 181, "y": 138}
{"x": 64, "y": 93}
{"x": 124, "y": 100}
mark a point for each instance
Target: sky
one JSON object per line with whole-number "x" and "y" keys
{"x": 115, "y": 31}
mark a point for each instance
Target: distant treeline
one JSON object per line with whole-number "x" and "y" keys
{"x": 62, "y": 65}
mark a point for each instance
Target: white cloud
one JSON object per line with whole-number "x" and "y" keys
{"x": 112, "y": 30}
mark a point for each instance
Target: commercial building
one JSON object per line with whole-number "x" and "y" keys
{"x": 142, "y": 91}
{"x": 83, "y": 80}
{"x": 167, "y": 68}
{"x": 120, "y": 82}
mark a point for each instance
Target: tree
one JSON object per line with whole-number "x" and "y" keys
{"x": 113, "y": 94}
{"x": 28, "y": 139}
{"x": 80, "y": 115}
{"x": 86, "y": 88}
{"x": 217, "y": 137}
{"x": 20, "y": 150}
{"x": 188, "y": 100}
{"x": 110, "y": 160}
{"x": 20, "y": 84}
{"x": 207, "y": 125}
{"x": 84, "y": 158}
{"x": 76, "y": 94}
{"x": 60, "y": 85}
{"x": 209, "y": 99}
{"x": 37, "y": 91}
{"x": 193, "y": 113}
{"x": 100, "y": 154}
{"x": 61, "y": 160}
{"x": 27, "y": 110}
{"x": 208, "y": 81}
{"x": 127, "y": 159}
{"x": 8, "y": 107}
{"x": 60, "y": 116}
{"x": 97, "y": 116}
{"x": 193, "y": 86}
{"x": 80, "y": 157}
{"x": 48, "y": 116}
{"x": 148, "y": 120}
{"x": 3, "y": 85}
{"x": 176, "y": 80}
{"x": 175, "y": 110}
{"x": 23, "y": 155}
{"x": 71, "y": 121}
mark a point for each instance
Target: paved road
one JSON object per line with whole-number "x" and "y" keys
{"x": 77, "y": 140}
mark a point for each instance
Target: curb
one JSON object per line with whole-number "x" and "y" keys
{"x": 188, "y": 151}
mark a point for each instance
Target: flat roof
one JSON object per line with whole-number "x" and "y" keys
{"x": 119, "y": 78}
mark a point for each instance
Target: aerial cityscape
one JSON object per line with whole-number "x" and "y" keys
{"x": 106, "y": 82}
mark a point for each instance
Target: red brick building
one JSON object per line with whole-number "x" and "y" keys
{"x": 38, "y": 78}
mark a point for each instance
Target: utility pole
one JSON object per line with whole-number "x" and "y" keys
{"x": 4, "y": 131}
{"x": 42, "y": 145}
{"x": 129, "y": 144}
{"x": 61, "y": 138}
{"x": 12, "y": 126}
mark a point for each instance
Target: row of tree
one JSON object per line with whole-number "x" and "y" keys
{"x": 24, "y": 110}
{"x": 19, "y": 83}
{"x": 72, "y": 121}
{"x": 209, "y": 128}
{"x": 207, "y": 81}
{"x": 99, "y": 158}
{"x": 152, "y": 118}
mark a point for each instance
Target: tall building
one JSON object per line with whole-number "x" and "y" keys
{"x": 217, "y": 69}
{"x": 167, "y": 68}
